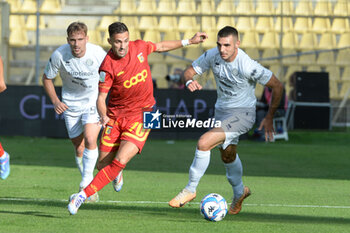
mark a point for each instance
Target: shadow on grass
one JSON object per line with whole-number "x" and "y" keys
{"x": 172, "y": 214}
{"x": 283, "y": 218}
{"x": 33, "y": 213}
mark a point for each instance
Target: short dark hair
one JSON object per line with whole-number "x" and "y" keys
{"x": 227, "y": 31}
{"x": 76, "y": 27}
{"x": 117, "y": 27}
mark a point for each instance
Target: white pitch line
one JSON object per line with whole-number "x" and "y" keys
{"x": 161, "y": 202}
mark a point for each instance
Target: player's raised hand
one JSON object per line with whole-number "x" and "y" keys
{"x": 199, "y": 37}
{"x": 193, "y": 86}
{"x": 60, "y": 107}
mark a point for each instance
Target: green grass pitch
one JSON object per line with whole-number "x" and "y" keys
{"x": 298, "y": 186}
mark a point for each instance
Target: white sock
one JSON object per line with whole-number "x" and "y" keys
{"x": 198, "y": 167}
{"x": 89, "y": 162}
{"x": 234, "y": 173}
{"x": 79, "y": 162}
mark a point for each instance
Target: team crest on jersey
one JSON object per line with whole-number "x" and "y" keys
{"x": 109, "y": 129}
{"x": 89, "y": 62}
{"x": 102, "y": 76}
{"x": 140, "y": 57}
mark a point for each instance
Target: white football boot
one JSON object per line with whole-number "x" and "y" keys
{"x": 118, "y": 182}
{"x": 76, "y": 201}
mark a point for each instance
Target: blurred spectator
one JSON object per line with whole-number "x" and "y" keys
{"x": 262, "y": 107}
{"x": 176, "y": 80}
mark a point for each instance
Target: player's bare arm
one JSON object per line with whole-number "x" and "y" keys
{"x": 60, "y": 107}
{"x": 267, "y": 122}
{"x": 168, "y": 45}
{"x": 2, "y": 80}
{"x": 191, "y": 84}
{"x": 102, "y": 108}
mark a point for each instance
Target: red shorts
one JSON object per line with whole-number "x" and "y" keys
{"x": 124, "y": 128}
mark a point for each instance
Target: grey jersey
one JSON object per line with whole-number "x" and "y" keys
{"x": 80, "y": 76}
{"x": 235, "y": 80}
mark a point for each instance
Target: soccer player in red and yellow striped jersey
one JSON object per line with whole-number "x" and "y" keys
{"x": 126, "y": 76}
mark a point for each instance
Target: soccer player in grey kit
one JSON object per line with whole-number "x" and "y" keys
{"x": 236, "y": 75}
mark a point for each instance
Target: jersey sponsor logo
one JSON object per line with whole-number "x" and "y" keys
{"x": 80, "y": 73}
{"x": 140, "y": 77}
{"x": 140, "y": 57}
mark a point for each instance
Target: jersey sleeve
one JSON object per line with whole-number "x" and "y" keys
{"x": 149, "y": 46}
{"x": 202, "y": 64}
{"x": 53, "y": 65}
{"x": 255, "y": 71}
{"x": 106, "y": 81}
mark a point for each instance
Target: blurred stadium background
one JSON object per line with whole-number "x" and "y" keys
{"x": 285, "y": 36}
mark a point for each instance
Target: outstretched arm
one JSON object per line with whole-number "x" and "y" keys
{"x": 267, "y": 122}
{"x": 168, "y": 45}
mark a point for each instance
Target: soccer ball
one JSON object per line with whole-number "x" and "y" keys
{"x": 213, "y": 207}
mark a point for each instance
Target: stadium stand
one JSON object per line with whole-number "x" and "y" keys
{"x": 323, "y": 8}
{"x": 270, "y": 40}
{"x": 166, "y": 7}
{"x": 147, "y": 23}
{"x": 265, "y": 8}
{"x": 245, "y": 8}
{"x": 245, "y": 24}
{"x": 302, "y": 25}
{"x": 207, "y": 7}
{"x": 167, "y": 23}
{"x": 285, "y": 7}
{"x": 321, "y": 25}
{"x": 340, "y": 25}
{"x": 51, "y": 6}
{"x": 287, "y": 24}
{"x": 152, "y": 35}
{"x": 146, "y": 7}
{"x": 226, "y": 7}
{"x": 304, "y": 7}
{"x": 28, "y": 6}
{"x": 264, "y": 24}
{"x": 307, "y": 26}
{"x": 106, "y": 21}
{"x": 31, "y": 23}
{"x": 224, "y": 21}
{"x": 126, "y": 7}
{"x": 250, "y": 40}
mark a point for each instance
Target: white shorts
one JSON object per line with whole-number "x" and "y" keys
{"x": 75, "y": 122}
{"x": 235, "y": 122}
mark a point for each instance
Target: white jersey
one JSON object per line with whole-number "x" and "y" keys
{"x": 80, "y": 76}
{"x": 235, "y": 80}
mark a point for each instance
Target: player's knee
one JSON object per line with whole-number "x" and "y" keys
{"x": 90, "y": 143}
{"x": 202, "y": 145}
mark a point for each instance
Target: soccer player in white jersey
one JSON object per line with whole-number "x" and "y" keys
{"x": 236, "y": 75}
{"x": 78, "y": 62}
